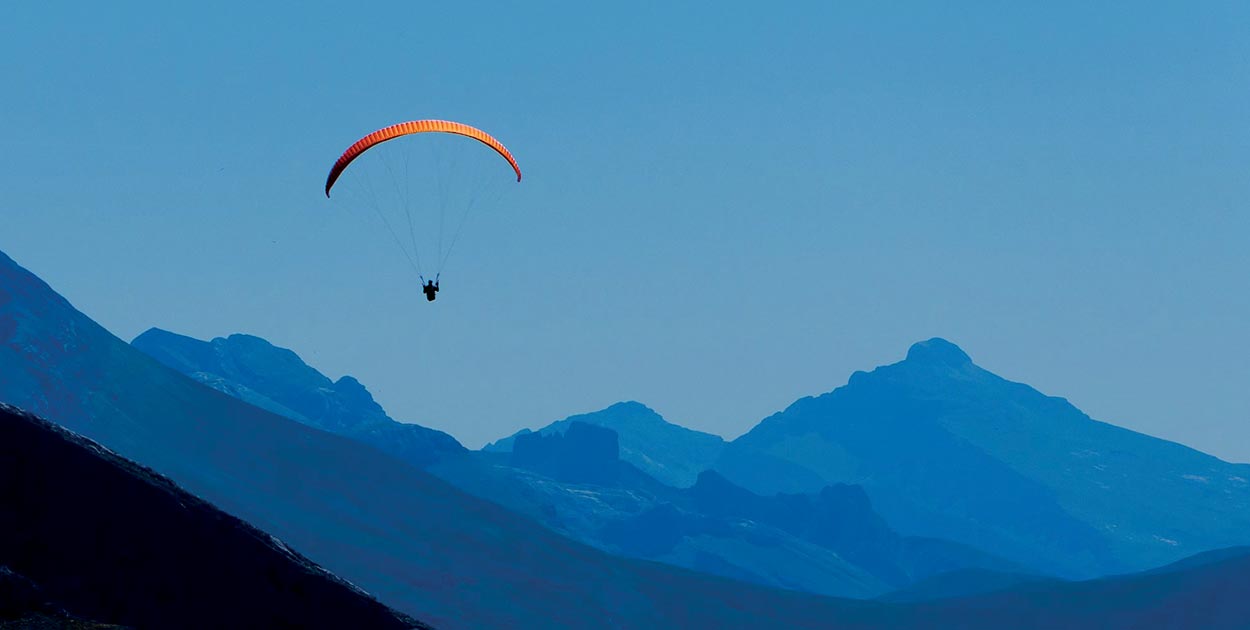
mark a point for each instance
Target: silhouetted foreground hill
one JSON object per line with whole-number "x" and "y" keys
{"x": 111, "y": 540}
{"x": 24, "y": 606}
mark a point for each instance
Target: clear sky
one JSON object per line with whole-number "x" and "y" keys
{"x": 726, "y": 207}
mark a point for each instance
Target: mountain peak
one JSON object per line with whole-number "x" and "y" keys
{"x": 250, "y": 340}
{"x": 938, "y": 351}
{"x": 631, "y": 406}
{"x": 157, "y": 333}
{"x": 671, "y": 453}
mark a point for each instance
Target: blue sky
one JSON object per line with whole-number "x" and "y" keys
{"x": 725, "y": 207}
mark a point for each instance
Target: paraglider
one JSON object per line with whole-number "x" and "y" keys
{"x": 396, "y": 213}
{"x": 430, "y": 288}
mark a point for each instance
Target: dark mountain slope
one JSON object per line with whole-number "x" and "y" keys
{"x": 112, "y": 540}
{"x": 960, "y": 583}
{"x": 1208, "y": 594}
{"x": 24, "y": 606}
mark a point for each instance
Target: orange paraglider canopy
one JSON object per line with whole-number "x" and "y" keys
{"x": 411, "y": 127}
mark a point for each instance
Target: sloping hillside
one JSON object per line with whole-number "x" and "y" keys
{"x": 111, "y": 540}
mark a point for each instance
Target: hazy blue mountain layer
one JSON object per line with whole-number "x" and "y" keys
{"x": 276, "y": 379}
{"x": 671, "y": 453}
{"x": 1208, "y": 592}
{"x": 947, "y": 449}
{"x": 831, "y": 542}
{"x": 572, "y": 479}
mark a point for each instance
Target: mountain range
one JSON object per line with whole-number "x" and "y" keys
{"x": 961, "y": 437}
{"x": 578, "y": 478}
{"x": 917, "y": 436}
{"x": 408, "y": 538}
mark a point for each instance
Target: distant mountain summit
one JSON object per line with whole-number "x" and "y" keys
{"x": 671, "y": 453}
{"x": 938, "y": 352}
{"x": 277, "y": 380}
{"x": 947, "y": 449}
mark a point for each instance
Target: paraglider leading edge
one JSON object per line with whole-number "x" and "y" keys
{"x": 413, "y": 127}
